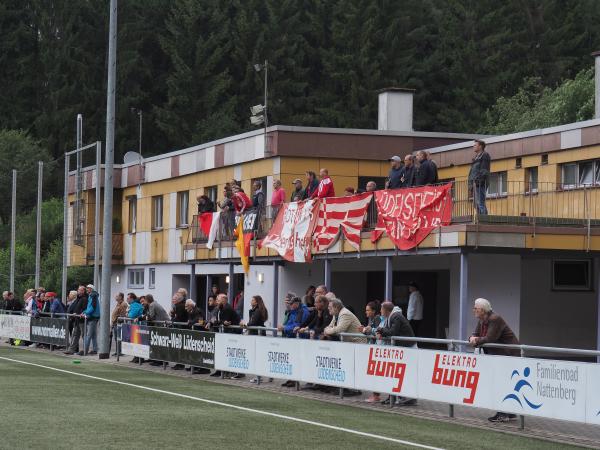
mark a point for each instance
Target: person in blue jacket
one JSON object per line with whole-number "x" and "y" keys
{"x": 136, "y": 309}
{"x": 92, "y": 314}
{"x": 56, "y": 306}
{"x": 296, "y": 317}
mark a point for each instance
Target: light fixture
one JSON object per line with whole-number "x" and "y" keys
{"x": 257, "y": 109}
{"x": 257, "y": 120}
{"x": 118, "y": 279}
{"x": 227, "y": 279}
{"x": 260, "y": 277}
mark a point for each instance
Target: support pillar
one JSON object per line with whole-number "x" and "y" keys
{"x": 275, "y": 293}
{"x": 463, "y": 309}
{"x": 327, "y": 276}
{"x": 595, "y": 269}
{"x": 389, "y": 279}
{"x": 209, "y": 282}
{"x": 230, "y": 293}
{"x": 192, "y": 289}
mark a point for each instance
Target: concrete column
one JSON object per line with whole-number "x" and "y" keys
{"x": 327, "y": 275}
{"x": 275, "y": 293}
{"x": 463, "y": 308}
{"x": 389, "y": 279}
{"x": 596, "y": 270}
{"x": 192, "y": 289}
{"x": 230, "y": 293}
{"x": 209, "y": 283}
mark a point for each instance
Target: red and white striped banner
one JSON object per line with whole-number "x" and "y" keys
{"x": 347, "y": 213}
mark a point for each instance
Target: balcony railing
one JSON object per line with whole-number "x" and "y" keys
{"x": 117, "y": 246}
{"x": 511, "y": 203}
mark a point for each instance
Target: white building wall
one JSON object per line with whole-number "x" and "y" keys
{"x": 252, "y": 286}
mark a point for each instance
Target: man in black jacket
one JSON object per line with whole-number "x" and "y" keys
{"x": 77, "y": 308}
{"x": 427, "y": 171}
{"x": 226, "y": 315}
{"x": 408, "y": 172}
{"x": 178, "y": 312}
{"x": 396, "y": 325}
{"x": 479, "y": 176}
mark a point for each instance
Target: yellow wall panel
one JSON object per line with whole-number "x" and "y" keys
{"x": 257, "y": 169}
{"x": 370, "y": 169}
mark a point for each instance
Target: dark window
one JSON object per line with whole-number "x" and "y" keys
{"x": 572, "y": 275}
{"x": 362, "y": 183}
{"x": 544, "y": 159}
{"x": 518, "y": 163}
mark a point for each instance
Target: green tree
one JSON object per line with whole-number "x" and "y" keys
{"x": 51, "y": 270}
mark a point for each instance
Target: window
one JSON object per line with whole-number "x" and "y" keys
{"x": 518, "y": 163}
{"x": 544, "y": 159}
{"x": 157, "y": 212}
{"x": 132, "y": 214}
{"x": 211, "y": 192}
{"x": 135, "y": 278}
{"x": 531, "y": 180}
{"x": 183, "y": 208}
{"x": 579, "y": 174}
{"x": 151, "y": 278}
{"x": 78, "y": 221}
{"x": 362, "y": 182}
{"x": 572, "y": 275}
{"x": 497, "y": 186}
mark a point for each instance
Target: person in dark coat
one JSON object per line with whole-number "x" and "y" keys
{"x": 258, "y": 314}
{"x": 479, "y": 176}
{"x": 195, "y": 316}
{"x": 394, "y": 180}
{"x": 178, "y": 312}
{"x": 77, "y": 308}
{"x": 491, "y": 328}
{"x": 226, "y": 315}
{"x": 427, "y": 171}
{"x": 395, "y": 324}
{"x": 205, "y": 204}
{"x": 408, "y": 172}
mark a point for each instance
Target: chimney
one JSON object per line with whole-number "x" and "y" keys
{"x": 596, "y": 56}
{"x": 396, "y": 108}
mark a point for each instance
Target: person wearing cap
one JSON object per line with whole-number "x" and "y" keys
{"x": 298, "y": 191}
{"x": 56, "y": 306}
{"x": 394, "y": 180}
{"x": 414, "y": 314}
{"x": 298, "y": 313}
{"x": 92, "y": 314}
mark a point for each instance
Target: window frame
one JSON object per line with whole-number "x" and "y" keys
{"x": 504, "y": 193}
{"x": 528, "y": 180}
{"x": 157, "y": 216}
{"x": 132, "y": 218}
{"x": 136, "y": 272}
{"x": 151, "y": 277}
{"x": 181, "y": 195}
{"x": 573, "y": 287}
{"x": 212, "y": 191}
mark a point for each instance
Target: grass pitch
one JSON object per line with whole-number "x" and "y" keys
{"x": 60, "y": 408}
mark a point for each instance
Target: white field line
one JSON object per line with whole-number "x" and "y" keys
{"x": 229, "y": 405}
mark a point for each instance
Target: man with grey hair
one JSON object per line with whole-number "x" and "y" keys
{"x": 491, "y": 328}
{"x": 343, "y": 321}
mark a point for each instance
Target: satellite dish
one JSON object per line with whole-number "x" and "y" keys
{"x": 132, "y": 157}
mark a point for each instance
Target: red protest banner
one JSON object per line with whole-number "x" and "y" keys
{"x": 409, "y": 215}
{"x": 291, "y": 234}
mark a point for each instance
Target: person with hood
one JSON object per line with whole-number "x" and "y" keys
{"x": 92, "y": 314}
{"x": 395, "y": 324}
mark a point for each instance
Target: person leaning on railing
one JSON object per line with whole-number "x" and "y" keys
{"x": 320, "y": 319}
{"x": 343, "y": 321}
{"x": 195, "y": 316}
{"x": 258, "y": 315}
{"x": 120, "y": 310}
{"x": 492, "y": 329}
{"x": 298, "y": 313}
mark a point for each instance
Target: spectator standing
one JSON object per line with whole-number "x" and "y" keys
{"x": 312, "y": 185}
{"x": 92, "y": 314}
{"x": 56, "y": 306}
{"x": 135, "y": 309}
{"x": 258, "y": 314}
{"x": 325, "y": 188}
{"x": 343, "y": 321}
{"x": 298, "y": 191}
{"x": 212, "y": 308}
{"x": 240, "y": 200}
{"x": 349, "y": 191}
{"x": 238, "y": 303}
{"x": 195, "y": 316}
{"x": 415, "y": 307}
{"x": 479, "y": 176}
{"x": 493, "y": 329}
{"x": 407, "y": 176}
{"x": 178, "y": 312}
{"x": 31, "y": 305}
{"x": 258, "y": 198}
{"x": 205, "y": 204}
{"x": 427, "y": 170}
{"x": 226, "y": 315}
{"x": 278, "y": 195}
{"x": 155, "y": 312}
{"x": 120, "y": 310}
{"x": 394, "y": 180}
{"x": 77, "y": 308}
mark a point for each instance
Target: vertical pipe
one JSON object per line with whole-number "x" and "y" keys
{"x": 13, "y": 232}
{"x": 595, "y": 268}
{"x": 65, "y": 229}
{"x": 208, "y": 293}
{"x": 463, "y": 296}
{"x": 193, "y": 282}
{"x": 140, "y": 113}
{"x": 78, "y": 166}
{"x": 266, "y": 149}
{"x": 230, "y": 286}
{"x": 389, "y": 276}
{"x": 275, "y": 293}
{"x": 97, "y": 216}
{"x": 596, "y": 56}
{"x": 104, "y": 332}
{"x": 327, "y": 275}
{"x": 38, "y": 225}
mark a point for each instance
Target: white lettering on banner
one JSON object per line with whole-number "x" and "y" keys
{"x": 235, "y": 353}
{"x": 181, "y": 342}
{"x": 15, "y": 326}
{"x": 386, "y": 369}
{"x": 592, "y": 396}
{"x": 458, "y": 378}
{"x": 278, "y": 358}
{"x": 49, "y": 332}
{"x": 540, "y": 387}
{"x": 329, "y": 363}
{"x": 138, "y": 350}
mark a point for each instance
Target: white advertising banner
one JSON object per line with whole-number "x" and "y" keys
{"x": 328, "y": 363}
{"x": 137, "y": 350}
{"x": 235, "y": 353}
{"x": 15, "y": 326}
{"x": 593, "y": 394}
{"x": 540, "y": 387}
{"x": 457, "y": 378}
{"x": 278, "y": 358}
{"x": 386, "y": 369}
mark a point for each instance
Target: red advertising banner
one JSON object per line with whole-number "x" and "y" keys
{"x": 291, "y": 234}
{"x": 409, "y": 215}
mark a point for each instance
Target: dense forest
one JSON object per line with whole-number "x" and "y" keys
{"x": 476, "y": 66}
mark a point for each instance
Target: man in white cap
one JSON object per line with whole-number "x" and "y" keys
{"x": 394, "y": 180}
